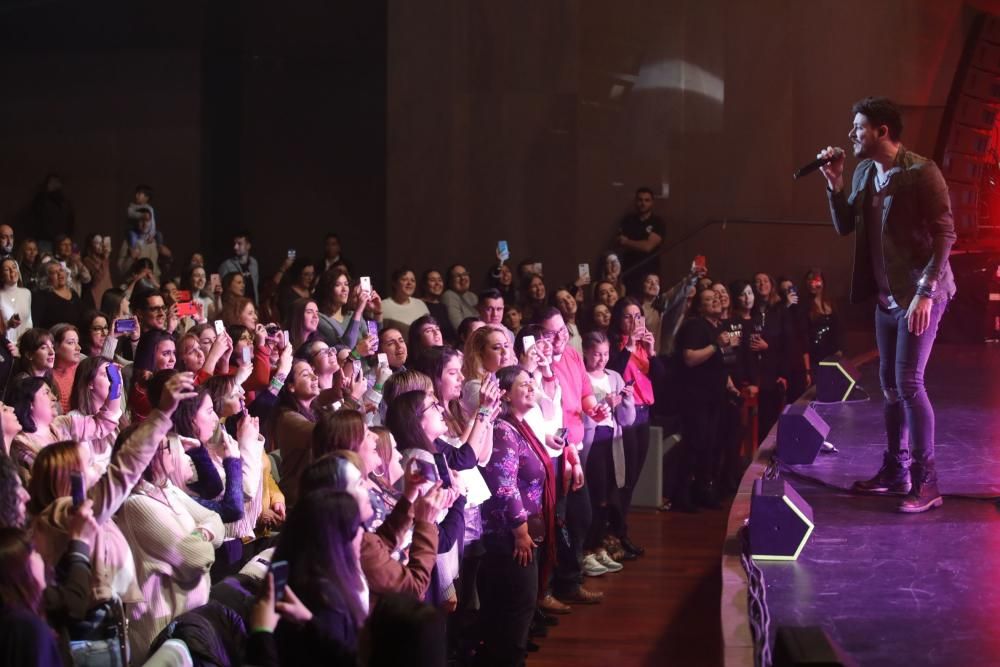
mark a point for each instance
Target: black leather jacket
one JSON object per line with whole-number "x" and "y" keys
{"x": 917, "y": 229}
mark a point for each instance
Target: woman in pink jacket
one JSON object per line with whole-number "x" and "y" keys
{"x": 113, "y": 575}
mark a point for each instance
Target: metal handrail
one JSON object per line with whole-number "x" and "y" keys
{"x": 723, "y": 222}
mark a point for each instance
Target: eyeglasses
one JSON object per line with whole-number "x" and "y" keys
{"x": 433, "y": 406}
{"x": 246, "y": 338}
{"x": 325, "y": 350}
{"x": 559, "y": 333}
{"x": 157, "y": 309}
{"x": 99, "y": 328}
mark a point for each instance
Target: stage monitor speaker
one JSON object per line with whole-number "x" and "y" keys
{"x": 808, "y": 646}
{"x": 801, "y": 433}
{"x": 780, "y": 521}
{"x": 837, "y": 380}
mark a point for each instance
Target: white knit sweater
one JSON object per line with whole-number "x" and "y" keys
{"x": 172, "y": 558}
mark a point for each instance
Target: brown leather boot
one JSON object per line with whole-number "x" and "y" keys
{"x": 924, "y": 495}
{"x": 893, "y": 478}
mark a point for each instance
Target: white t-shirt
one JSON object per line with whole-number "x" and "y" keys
{"x": 401, "y": 316}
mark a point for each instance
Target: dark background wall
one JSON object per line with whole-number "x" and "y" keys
{"x": 239, "y": 114}
{"x": 424, "y": 132}
{"x": 535, "y": 122}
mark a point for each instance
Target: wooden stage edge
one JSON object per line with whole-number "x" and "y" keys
{"x": 737, "y": 641}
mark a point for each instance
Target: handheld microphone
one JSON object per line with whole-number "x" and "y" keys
{"x": 807, "y": 169}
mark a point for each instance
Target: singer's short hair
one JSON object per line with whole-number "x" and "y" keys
{"x": 645, "y": 190}
{"x": 881, "y": 111}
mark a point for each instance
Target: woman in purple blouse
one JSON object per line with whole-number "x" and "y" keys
{"x": 518, "y": 517}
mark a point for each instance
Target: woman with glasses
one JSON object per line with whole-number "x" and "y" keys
{"x": 15, "y": 301}
{"x": 94, "y": 332}
{"x": 326, "y": 366}
{"x": 459, "y": 299}
{"x": 632, "y": 355}
{"x": 416, "y": 420}
{"x": 431, "y": 291}
{"x": 517, "y": 518}
{"x": 402, "y": 308}
{"x": 112, "y": 576}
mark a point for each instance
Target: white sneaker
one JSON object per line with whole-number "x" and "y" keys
{"x": 592, "y": 568}
{"x": 611, "y": 565}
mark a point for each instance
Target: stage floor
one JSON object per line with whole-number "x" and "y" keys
{"x": 895, "y": 589}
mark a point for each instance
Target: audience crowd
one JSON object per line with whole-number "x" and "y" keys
{"x": 235, "y": 466}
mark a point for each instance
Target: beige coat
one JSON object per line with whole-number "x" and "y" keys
{"x": 113, "y": 569}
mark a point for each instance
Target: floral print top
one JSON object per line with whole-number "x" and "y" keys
{"x": 516, "y": 477}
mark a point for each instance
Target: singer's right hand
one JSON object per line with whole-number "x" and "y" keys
{"x": 833, "y": 171}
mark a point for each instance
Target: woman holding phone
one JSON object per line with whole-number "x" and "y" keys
{"x": 196, "y": 281}
{"x": 517, "y": 518}
{"x": 338, "y": 325}
{"x": 173, "y": 540}
{"x": 96, "y": 381}
{"x": 632, "y": 356}
{"x": 486, "y": 352}
{"x": 599, "y": 442}
{"x": 36, "y": 408}
{"x": 15, "y": 301}
{"x": 156, "y": 351}
{"x": 112, "y": 576}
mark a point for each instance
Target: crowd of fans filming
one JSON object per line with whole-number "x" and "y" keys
{"x": 227, "y": 467}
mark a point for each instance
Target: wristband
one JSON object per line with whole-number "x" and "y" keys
{"x": 262, "y": 629}
{"x": 354, "y": 355}
{"x": 378, "y": 388}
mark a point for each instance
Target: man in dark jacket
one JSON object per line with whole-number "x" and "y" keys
{"x": 900, "y": 211}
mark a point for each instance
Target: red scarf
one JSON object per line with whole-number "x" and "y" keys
{"x": 548, "y": 500}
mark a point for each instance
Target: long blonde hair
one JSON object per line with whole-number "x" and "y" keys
{"x": 472, "y": 365}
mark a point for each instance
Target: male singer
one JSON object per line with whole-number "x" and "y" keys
{"x": 899, "y": 210}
